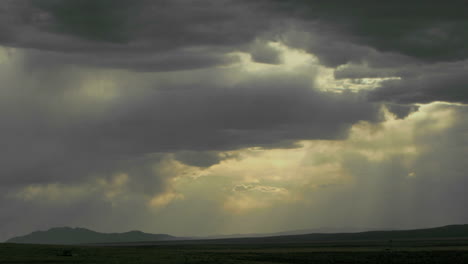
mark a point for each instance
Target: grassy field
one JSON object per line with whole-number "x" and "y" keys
{"x": 440, "y": 251}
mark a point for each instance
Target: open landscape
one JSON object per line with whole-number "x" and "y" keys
{"x": 413, "y": 252}
{"x": 233, "y": 131}
{"x": 436, "y": 245}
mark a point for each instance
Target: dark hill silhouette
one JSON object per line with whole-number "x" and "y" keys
{"x": 452, "y": 232}
{"x": 445, "y": 232}
{"x": 67, "y": 235}
{"x": 84, "y": 236}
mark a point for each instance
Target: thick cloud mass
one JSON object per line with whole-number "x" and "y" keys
{"x": 425, "y": 46}
{"x": 241, "y": 111}
{"x": 430, "y": 31}
{"x": 443, "y": 82}
{"x": 141, "y": 35}
{"x": 48, "y": 139}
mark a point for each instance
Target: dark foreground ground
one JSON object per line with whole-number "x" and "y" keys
{"x": 434, "y": 251}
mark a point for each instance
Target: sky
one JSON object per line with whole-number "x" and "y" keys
{"x": 203, "y": 117}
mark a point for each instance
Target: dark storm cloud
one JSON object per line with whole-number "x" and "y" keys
{"x": 424, "y": 43}
{"x": 169, "y": 61}
{"x": 414, "y": 82}
{"x": 430, "y": 31}
{"x": 444, "y": 82}
{"x": 401, "y": 110}
{"x": 387, "y": 39}
{"x": 141, "y": 35}
{"x": 103, "y": 20}
{"x": 258, "y": 112}
{"x": 263, "y": 53}
{"x": 202, "y": 159}
{"x": 46, "y": 140}
{"x": 358, "y": 71}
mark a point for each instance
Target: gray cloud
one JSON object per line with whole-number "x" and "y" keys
{"x": 242, "y": 188}
{"x": 263, "y": 53}
{"x": 423, "y": 46}
{"x": 202, "y": 159}
{"x": 400, "y": 110}
{"x": 444, "y": 82}
{"x": 385, "y": 40}
{"x": 168, "y": 61}
{"x": 114, "y": 198}
{"x": 140, "y": 35}
{"x": 55, "y": 132}
{"x": 95, "y": 20}
{"x": 92, "y": 211}
{"x": 258, "y": 112}
{"x": 429, "y": 34}
{"x": 94, "y": 89}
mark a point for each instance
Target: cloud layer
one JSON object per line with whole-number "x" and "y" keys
{"x": 151, "y": 115}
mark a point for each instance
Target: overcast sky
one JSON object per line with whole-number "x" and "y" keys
{"x": 201, "y": 117}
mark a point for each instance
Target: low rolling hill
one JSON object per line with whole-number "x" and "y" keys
{"x": 67, "y": 235}
{"x": 84, "y": 236}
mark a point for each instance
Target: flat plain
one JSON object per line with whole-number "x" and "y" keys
{"x": 408, "y": 251}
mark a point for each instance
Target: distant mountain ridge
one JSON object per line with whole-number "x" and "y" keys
{"x": 325, "y": 230}
{"x": 450, "y": 231}
{"x": 68, "y": 235}
{"x": 444, "y": 232}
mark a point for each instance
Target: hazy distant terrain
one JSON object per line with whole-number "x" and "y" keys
{"x": 448, "y": 244}
{"x": 67, "y": 235}
{"x": 324, "y": 230}
{"x": 84, "y": 236}
{"x": 452, "y": 232}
